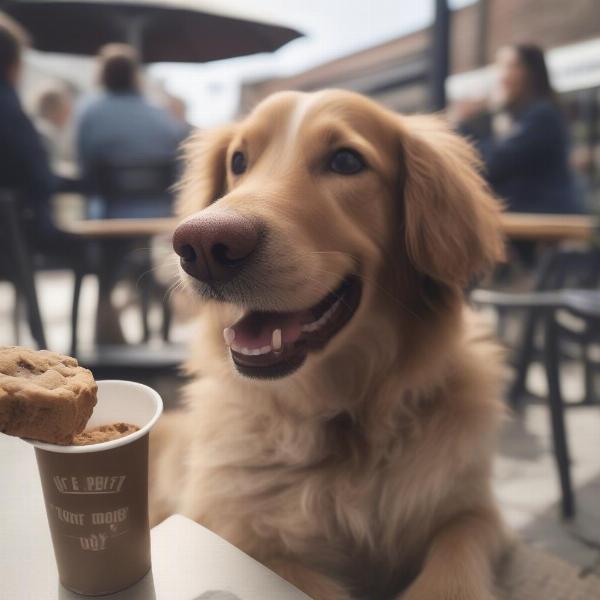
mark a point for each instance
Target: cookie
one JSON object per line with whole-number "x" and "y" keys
{"x": 43, "y": 395}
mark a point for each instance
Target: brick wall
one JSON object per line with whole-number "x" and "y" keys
{"x": 464, "y": 39}
{"x": 549, "y": 23}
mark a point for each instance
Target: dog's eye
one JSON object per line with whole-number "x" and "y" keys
{"x": 346, "y": 162}
{"x": 238, "y": 163}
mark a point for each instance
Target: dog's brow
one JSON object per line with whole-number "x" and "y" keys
{"x": 331, "y": 134}
{"x": 247, "y": 133}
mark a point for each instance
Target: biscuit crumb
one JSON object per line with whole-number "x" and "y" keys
{"x": 104, "y": 433}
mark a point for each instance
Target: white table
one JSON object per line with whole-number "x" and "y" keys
{"x": 187, "y": 559}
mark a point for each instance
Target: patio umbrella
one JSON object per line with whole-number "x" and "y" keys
{"x": 161, "y": 30}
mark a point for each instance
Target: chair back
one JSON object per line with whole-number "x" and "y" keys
{"x": 135, "y": 189}
{"x": 578, "y": 269}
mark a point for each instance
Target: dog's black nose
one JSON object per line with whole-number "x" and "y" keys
{"x": 215, "y": 246}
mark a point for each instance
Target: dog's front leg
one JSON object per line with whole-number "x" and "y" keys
{"x": 459, "y": 563}
{"x": 311, "y": 582}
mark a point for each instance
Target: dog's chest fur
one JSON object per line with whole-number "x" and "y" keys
{"x": 319, "y": 490}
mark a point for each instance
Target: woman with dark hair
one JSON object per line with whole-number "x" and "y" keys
{"x": 524, "y": 142}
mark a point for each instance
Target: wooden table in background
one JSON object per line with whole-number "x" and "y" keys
{"x": 125, "y": 228}
{"x": 549, "y": 228}
{"x": 517, "y": 226}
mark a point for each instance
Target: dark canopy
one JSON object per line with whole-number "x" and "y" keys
{"x": 161, "y": 31}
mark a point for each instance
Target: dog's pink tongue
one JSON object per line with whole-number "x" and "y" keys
{"x": 255, "y": 330}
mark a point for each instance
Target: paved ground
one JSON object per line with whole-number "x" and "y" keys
{"x": 527, "y": 485}
{"x": 525, "y": 476}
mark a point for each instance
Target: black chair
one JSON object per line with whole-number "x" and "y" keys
{"x": 16, "y": 266}
{"x": 131, "y": 190}
{"x": 561, "y": 269}
{"x": 547, "y": 307}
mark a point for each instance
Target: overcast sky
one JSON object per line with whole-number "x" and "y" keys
{"x": 332, "y": 28}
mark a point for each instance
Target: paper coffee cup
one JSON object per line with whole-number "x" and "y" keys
{"x": 97, "y": 495}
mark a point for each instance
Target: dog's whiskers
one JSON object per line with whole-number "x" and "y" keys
{"x": 179, "y": 284}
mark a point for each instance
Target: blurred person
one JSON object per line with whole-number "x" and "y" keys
{"x": 24, "y": 165}
{"x": 122, "y": 128}
{"x": 53, "y": 109}
{"x": 524, "y": 141}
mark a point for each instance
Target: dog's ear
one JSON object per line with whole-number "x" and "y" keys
{"x": 451, "y": 220}
{"x": 205, "y": 175}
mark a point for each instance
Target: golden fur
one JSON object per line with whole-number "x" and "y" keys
{"x": 366, "y": 473}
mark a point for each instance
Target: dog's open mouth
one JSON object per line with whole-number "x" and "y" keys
{"x": 274, "y": 344}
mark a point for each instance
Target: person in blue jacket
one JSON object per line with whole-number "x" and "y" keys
{"x": 120, "y": 127}
{"x": 525, "y": 143}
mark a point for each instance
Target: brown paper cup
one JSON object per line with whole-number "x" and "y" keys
{"x": 97, "y": 496}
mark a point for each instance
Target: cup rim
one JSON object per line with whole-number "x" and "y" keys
{"x": 111, "y": 444}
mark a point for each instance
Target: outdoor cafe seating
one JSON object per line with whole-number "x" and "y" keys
{"x": 123, "y": 314}
{"x": 122, "y": 190}
{"x": 547, "y": 308}
{"x": 559, "y": 321}
{"x": 128, "y": 257}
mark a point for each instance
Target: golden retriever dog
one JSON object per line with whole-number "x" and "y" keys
{"x": 342, "y": 417}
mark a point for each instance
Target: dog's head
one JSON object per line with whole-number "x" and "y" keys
{"x": 315, "y": 210}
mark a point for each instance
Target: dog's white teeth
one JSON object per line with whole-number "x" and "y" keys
{"x": 263, "y": 350}
{"x": 308, "y": 327}
{"x": 251, "y": 351}
{"x": 229, "y": 335}
{"x": 239, "y": 349}
{"x": 276, "y": 340}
